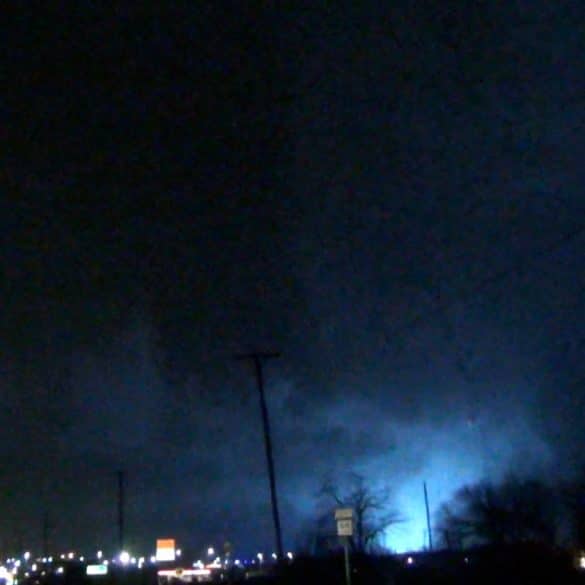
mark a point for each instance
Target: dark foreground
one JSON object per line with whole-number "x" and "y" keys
{"x": 520, "y": 565}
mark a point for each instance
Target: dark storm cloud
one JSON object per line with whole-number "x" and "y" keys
{"x": 380, "y": 194}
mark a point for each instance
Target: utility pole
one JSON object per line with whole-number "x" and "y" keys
{"x": 257, "y": 358}
{"x": 45, "y": 534}
{"x": 121, "y": 502}
{"x": 428, "y": 516}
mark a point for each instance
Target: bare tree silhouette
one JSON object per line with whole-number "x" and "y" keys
{"x": 373, "y": 512}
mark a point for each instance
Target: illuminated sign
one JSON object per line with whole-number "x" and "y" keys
{"x": 96, "y": 570}
{"x": 165, "y": 549}
{"x": 184, "y": 573}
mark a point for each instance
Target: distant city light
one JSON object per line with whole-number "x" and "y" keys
{"x": 71, "y": 555}
{"x": 153, "y": 559}
{"x": 82, "y": 559}
{"x": 5, "y": 575}
{"x": 34, "y": 567}
{"x": 124, "y": 557}
{"x": 100, "y": 554}
{"x": 178, "y": 552}
{"x": 274, "y": 556}
{"x": 60, "y": 570}
{"x": 409, "y": 561}
{"x": 26, "y": 556}
{"x": 260, "y": 557}
{"x": 210, "y": 551}
{"x": 289, "y": 555}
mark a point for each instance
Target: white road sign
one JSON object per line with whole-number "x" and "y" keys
{"x": 343, "y": 513}
{"x": 345, "y": 527}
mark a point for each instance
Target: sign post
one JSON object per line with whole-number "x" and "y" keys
{"x": 344, "y": 519}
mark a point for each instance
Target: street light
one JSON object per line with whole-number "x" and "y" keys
{"x": 124, "y": 557}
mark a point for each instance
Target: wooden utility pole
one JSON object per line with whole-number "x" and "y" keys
{"x": 45, "y": 533}
{"x": 257, "y": 358}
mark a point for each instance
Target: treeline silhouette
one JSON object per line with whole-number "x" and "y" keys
{"x": 514, "y": 511}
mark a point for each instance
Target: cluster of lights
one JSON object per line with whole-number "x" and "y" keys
{"x": 260, "y": 556}
{"x": 26, "y": 565}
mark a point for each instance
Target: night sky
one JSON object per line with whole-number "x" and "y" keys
{"x": 392, "y": 198}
